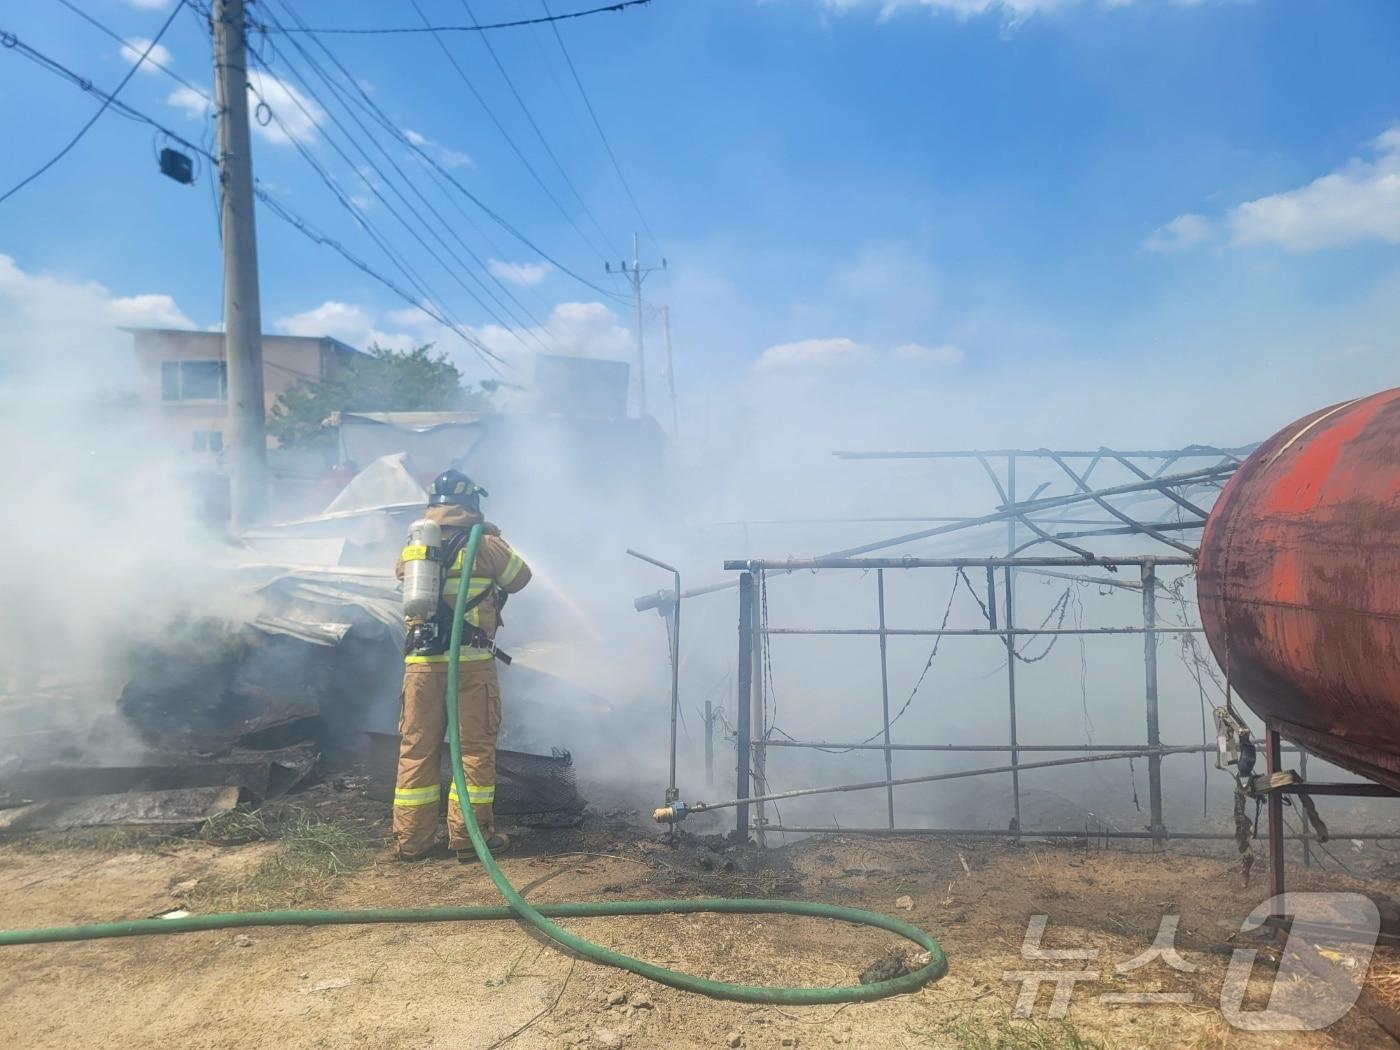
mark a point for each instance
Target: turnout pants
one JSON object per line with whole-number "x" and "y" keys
{"x": 422, "y": 727}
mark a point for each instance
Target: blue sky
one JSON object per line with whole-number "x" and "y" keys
{"x": 948, "y": 195}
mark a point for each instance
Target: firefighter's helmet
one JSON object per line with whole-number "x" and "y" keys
{"x": 452, "y": 486}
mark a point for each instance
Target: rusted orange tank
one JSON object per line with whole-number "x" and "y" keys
{"x": 1299, "y": 583}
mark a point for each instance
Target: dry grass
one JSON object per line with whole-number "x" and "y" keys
{"x": 1384, "y": 976}
{"x": 93, "y": 840}
{"x": 311, "y": 856}
{"x": 234, "y": 828}
{"x": 1023, "y": 1036}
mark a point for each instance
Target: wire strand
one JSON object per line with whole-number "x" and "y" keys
{"x": 476, "y": 27}
{"x": 510, "y": 139}
{"x": 539, "y": 133}
{"x": 446, "y": 176}
{"x": 597, "y": 124}
{"x": 455, "y": 273}
{"x": 107, "y": 100}
{"x": 125, "y": 43}
{"x": 440, "y": 222}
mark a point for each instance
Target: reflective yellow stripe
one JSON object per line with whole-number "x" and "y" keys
{"x": 420, "y": 796}
{"x": 414, "y": 553}
{"x": 511, "y": 571}
{"x": 457, "y": 563}
{"x": 466, "y": 655}
{"x": 475, "y": 585}
{"x": 477, "y": 795}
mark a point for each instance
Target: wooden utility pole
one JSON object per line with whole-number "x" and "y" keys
{"x": 247, "y": 438}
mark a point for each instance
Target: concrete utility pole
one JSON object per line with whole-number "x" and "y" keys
{"x": 670, "y": 373}
{"x": 247, "y": 440}
{"x": 636, "y": 274}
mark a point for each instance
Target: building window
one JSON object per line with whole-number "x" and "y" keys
{"x": 193, "y": 381}
{"x": 208, "y": 440}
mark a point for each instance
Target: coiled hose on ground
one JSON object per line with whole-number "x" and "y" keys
{"x": 539, "y": 916}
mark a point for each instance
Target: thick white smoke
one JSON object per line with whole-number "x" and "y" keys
{"x": 100, "y": 540}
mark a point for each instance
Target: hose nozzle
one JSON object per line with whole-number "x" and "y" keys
{"x": 672, "y": 814}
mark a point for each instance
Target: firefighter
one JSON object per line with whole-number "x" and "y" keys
{"x": 455, "y": 505}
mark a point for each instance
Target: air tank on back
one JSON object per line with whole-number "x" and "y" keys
{"x": 1298, "y": 579}
{"x": 422, "y": 570}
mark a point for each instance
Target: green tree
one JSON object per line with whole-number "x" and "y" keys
{"x": 382, "y": 380}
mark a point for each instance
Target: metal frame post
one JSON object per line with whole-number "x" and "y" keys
{"x": 1149, "y": 657}
{"x": 745, "y": 703}
{"x": 1011, "y": 651}
{"x": 758, "y": 731}
{"x": 672, "y": 615}
{"x": 1273, "y": 755}
{"x": 885, "y": 694}
{"x": 1303, "y": 817}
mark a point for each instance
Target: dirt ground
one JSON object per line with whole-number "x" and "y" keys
{"x": 484, "y": 985}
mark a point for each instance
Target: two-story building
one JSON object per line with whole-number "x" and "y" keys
{"x": 182, "y": 378}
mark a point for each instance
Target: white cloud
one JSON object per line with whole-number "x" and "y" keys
{"x": 194, "y": 105}
{"x": 44, "y": 317}
{"x": 149, "y": 5}
{"x": 136, "y": 46}
{"x": 1360, "y": 202}
{"x": 1012, "y": 11}
{"x": 947, "y": 354}
{"x": 453, "y": 158}
{"x": 1183, "y": 232}
{"x": 297, "y": 116}
{"x": 445, "y": 155}
{"x": 344, "y": 321}
{"x": 582, "y": 329}
{"x": 520, "y": 273}
{"x": 151, "y": 309}
{"x": 811, "y": 353}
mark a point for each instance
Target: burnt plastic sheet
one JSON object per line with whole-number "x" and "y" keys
{"x": 184, "y": 806}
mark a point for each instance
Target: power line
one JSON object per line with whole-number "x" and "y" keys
{"x": 510, "y": 140}
{"x": 123, "y": 41}
{"x": 379, "y": 239}
{"x": 358, "y": 213}
{"x": 10, "y": 40}
{"x": 599, "y": 126}
{"x": 451, "y": 179}
{"x": 311, "y": 232}
{"x": 475, "y": 27}
{"x": 486, "y": 40}
{"x": 364, "y": 103}
{"x": 440, "y": 220}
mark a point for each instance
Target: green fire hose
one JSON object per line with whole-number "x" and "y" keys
{"x": 539, "y": 917}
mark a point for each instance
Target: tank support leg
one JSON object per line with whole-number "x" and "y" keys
{"x": 1273, "y": 755}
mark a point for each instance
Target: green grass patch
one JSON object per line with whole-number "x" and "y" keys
{"x": 311, "y": 855}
